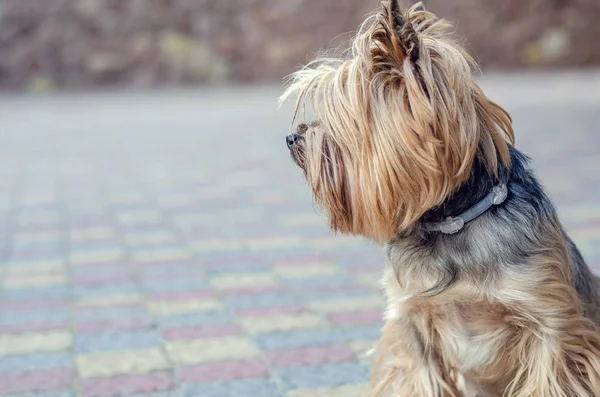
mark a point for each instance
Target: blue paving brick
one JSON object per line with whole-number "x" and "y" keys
{"x": 46, "y": 254}
{"x": 37, "y": 316}
{"x": 56, "y": 292}
{"x": 99, "y": 290}
{"x": 293, "y": 252}
{"x": 35, "y": 207}
{"x": 221, "y": 253}
{"x": 99, "y": 271}
{"x": 195, "y": 319}
{"x": 128, "y": 313}
{"x": 38, "y": 361}
{"x": 319, "y": 281}
{"x": 57, "y": 243}
{"x": 333, "y": 294}
{"x": 47, "y": 394}
{"x": 168, "y": 270}
{"x": 235, "y": 269}
{"x": 183, "y": 284}
{"x": 323, "y": 375}
{"x": 282, "y": 340}
{"x": 97, "y": 245}
{"x": 364, "y": 332}
{"x": 262, "y": 300}
{"x": 111, "y": 341}
{"x": 235, "y": 388}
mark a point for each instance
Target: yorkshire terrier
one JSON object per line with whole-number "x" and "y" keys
{"x": 486, "y": 293}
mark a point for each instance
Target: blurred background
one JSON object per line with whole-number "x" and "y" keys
{"x": 86, "y": 44}
{"x": 155, "y": 237}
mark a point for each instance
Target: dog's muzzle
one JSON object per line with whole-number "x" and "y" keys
{"x": 291, "y": 139}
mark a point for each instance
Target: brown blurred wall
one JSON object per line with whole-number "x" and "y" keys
{"x": 58, "y": 44}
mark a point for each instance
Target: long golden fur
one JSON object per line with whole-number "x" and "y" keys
{"x": 403, "y": 135}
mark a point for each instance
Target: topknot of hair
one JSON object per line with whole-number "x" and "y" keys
{"x": 404, "y": 30}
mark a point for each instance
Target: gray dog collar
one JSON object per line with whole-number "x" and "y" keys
{"x": 454, "y": 224}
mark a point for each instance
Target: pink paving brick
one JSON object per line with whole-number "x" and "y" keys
{"x": 101, "y": 326}
{"x": 224, "y": 370}
{"x": 17, "y": 329}
{"x": 267, "y": 311}
{"x": 174, "y": 296}
{"x": 357, "y": 317}
{"x": 298, "y": 260}
{"x": 191, "y": 273}
{"x": 311, "y": 355}
{"x": 207, "y": 331}
{"x": 55, "y": 379}
{"x": 127, "y": 384}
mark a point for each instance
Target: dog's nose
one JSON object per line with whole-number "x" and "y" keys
{"x": 291, "y": 139}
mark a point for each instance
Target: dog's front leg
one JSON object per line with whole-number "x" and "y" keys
{"x": 556, "y": 349}
{"x": 409, "y": 365}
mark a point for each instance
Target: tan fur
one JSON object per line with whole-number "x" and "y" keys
{"x": 400, "y": 121}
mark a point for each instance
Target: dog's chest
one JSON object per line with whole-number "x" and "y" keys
{"x": 467, "y": 332}
{"x": 479, "y": 333}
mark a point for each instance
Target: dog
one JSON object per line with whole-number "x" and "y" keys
{"x": 486, "y": 293}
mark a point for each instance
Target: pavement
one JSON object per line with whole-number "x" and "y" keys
{"x": 162, "y": 243}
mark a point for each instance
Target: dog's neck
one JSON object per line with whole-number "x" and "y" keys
{"x": 479, "y": 193}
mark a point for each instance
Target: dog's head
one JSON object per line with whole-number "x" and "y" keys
{"x": 398, "y": 123}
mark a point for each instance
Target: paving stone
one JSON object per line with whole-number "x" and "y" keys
{"x": 244, "y": 387}
{"x": 211, "y": 349}
{"x": 310, "y": 355}
{"x": 44, "y": 380}
{"x": 123, "y": 362}
{"x": 114, "y": 341}
{"x": 32, "y": 342}
{"x": 35, "y": 361}
{"x": 33, "y": 316}
{"x": 194, "y": 319}
{"x": 144, "y": 384}
{"x": 323, "y": 375}
{"x": 223, "y": 370}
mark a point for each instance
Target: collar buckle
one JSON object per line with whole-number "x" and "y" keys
{"x": 452, "y": 225}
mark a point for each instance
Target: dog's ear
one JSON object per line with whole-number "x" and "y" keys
{"x": 331, "y": 186}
